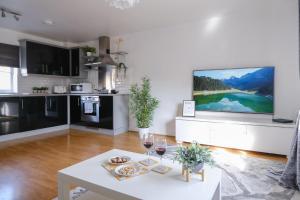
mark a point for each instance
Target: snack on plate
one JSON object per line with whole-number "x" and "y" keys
{"x": 127, "y": 170}
{"x": 119, "y": 160}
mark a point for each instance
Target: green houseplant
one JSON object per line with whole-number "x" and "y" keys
{"x": 193, "y": 157}
{"x": 89, "y": 50}
{"x": 142, "y": 105}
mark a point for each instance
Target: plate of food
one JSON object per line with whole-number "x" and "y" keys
{"x": 118, "y": 160}
{"x": 126, "y": 170}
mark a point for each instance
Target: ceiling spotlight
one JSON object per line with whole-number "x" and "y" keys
{"x": 17, "y": 18}
{"x": 5, "y": 12}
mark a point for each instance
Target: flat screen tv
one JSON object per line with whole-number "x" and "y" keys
{"x": 242, "y": 90}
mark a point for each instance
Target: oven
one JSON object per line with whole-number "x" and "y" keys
{"x": 90, "y": 109}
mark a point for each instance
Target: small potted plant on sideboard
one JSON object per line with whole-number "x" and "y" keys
{"x": 142, "y": 105}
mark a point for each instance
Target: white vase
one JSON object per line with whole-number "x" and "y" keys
{"x": 89, "y": 53}
{"x": 143, "y": 132}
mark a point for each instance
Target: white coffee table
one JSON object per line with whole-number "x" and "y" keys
{"x": 92, "y": 176}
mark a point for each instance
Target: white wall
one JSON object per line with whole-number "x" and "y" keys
{"x": 25, "y": 84}
{"x": 259, "y": 34}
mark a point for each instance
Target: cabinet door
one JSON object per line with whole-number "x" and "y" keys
{"x": 106, "y": 112}
{"x": 269, "y": 139}
{"x": 228, "y": 135}
{"x": 36, "y": 58}
{"x": 64, "y": 62}
{"x": 75, "y": 56}
{"x": 9, "y": 115}
{"x": 189, "y": 131}
{"x": 32, "y": 113}
{"x": 56, "y": 110}
{"x": 75, "y": 109}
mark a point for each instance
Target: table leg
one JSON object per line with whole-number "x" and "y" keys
{"x": 217, "y": 194}
{"x": 63, "y": 190}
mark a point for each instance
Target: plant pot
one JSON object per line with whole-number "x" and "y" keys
{"x": 198, "y": 168}
{"x": 143, "y": 132}
{"x": 89, "y": 53}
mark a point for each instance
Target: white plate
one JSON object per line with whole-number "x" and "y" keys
{"x": 128, "y": 159}
{"x": 118, "y": 170}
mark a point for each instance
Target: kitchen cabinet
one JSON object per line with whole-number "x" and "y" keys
{"x": 63, "y": 61}
{"x": 106, "y": 112}
{"x": 32, "y": 113}
{"x": 55, "y": 110}
{"x": 19, "y": 114}
{"x": 44, "y": 59}
{"x": 75, "y": 109}
{"x": 75, "y": 62}
{"x": 9, "y": 115}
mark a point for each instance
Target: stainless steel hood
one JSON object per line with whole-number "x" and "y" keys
{"x": 104, "y": 51}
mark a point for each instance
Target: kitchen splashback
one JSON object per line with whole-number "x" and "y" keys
{"x": 25, "y": 84}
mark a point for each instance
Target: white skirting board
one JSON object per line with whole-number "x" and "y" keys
{"x": 20, "y": 135}
{"x": 113, "y": 132}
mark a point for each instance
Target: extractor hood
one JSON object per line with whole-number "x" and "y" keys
{"x": 104, "y": 58}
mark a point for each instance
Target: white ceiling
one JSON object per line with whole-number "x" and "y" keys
{"x": 84, "y": 20}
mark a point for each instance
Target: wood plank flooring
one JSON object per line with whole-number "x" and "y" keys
{"x": 28, "y": 169}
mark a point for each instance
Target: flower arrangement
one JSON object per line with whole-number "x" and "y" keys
{"x": 193, "y": 156}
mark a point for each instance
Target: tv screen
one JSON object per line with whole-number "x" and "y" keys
{"x": 243, "y": 90}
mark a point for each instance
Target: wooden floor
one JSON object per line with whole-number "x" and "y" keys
{"x": 28, "y": 169}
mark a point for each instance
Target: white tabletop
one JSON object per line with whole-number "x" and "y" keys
{"x": 94, "y": 177}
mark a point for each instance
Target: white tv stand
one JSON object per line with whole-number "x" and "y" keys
{"x": 252, "y": 134}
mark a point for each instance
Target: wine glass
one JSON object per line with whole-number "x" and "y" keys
{"x": 160, "y": 147}
{"x": 148, "y": 141}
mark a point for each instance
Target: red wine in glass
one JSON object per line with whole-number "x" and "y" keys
{"x": 160, "y": 150}
{"x": 148, "y": 144}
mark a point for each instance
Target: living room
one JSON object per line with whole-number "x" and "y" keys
{"x": 68, "y": 96}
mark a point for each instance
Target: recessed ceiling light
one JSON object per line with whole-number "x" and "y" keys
{"x": 48, "y": 22}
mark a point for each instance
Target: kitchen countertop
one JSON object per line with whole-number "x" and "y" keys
{"x": 52, "y": 94}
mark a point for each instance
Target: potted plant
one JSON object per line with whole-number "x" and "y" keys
{"x": 142, "y": 105}
{"x": 193, "y": 158}
{"x": 89, "y": 51}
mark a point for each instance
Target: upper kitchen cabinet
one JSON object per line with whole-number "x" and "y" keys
{"x": 45, "y": 59}
{"x": 75, "y": 62}
{"x": 62, "y": 64}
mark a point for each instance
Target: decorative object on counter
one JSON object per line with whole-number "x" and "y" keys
{"x": 42, "y": 90}
{"x": 193, "y": 158}
{"x": 89, "y": 51}
{"x": 114, "y": 91}
{"x": 188, "y": 109}
{"x": 142, "y": 105}
{"x": 119, "y": 69}
{"x": 59, "y": 89}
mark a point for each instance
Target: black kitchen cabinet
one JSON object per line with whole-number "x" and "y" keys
{"x": 32, "y": 113}
{"x": 106, "y": 112}
{"x": 45, "y": 59}
{"x": 63, "y": 61}
{"x": 56, "y": 110}
{"x": 38, "y": 58}
{"x": 19, "y": 114}
{"x": 75, "y": 109}
{"x": 9, "y": 115}
{"x": 75, "y": 62}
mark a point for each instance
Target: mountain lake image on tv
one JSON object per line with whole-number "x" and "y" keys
{"x": 244, "y": 90}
